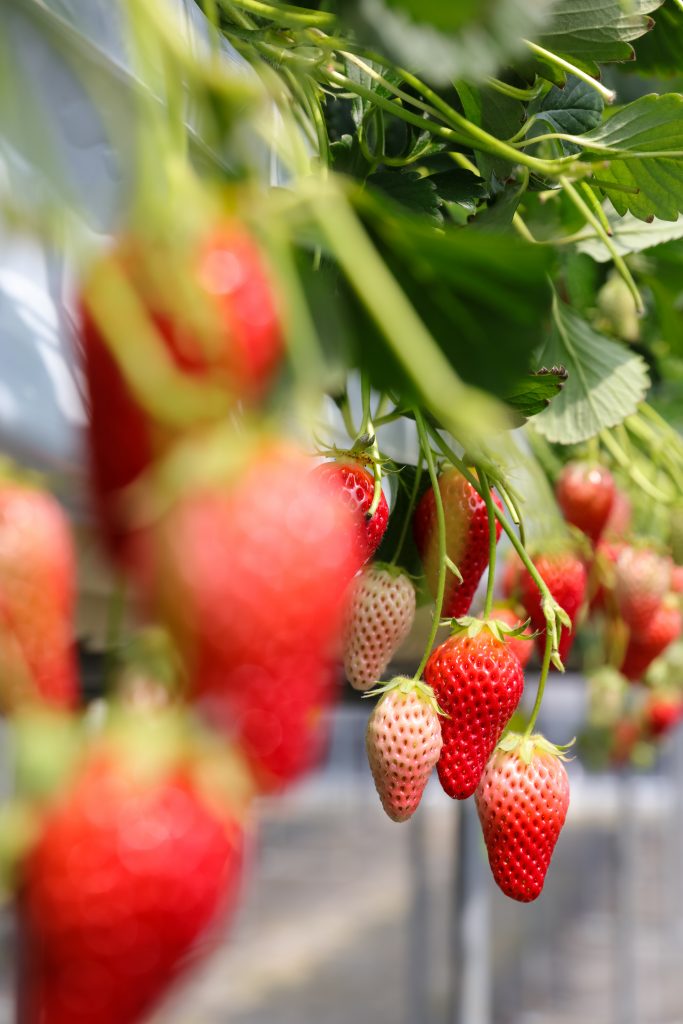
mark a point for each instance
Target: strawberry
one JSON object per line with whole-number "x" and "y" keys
{"x": 650, "y": 639}
{"x": 677, "y": 578}
{"x": 642, "y": 578}
{"x": 619, "y": 520}
{"x": 603, "y": 573}
{"x": 467, "y": 539}
{"x": 37, "y": 573}
{"x": 585, "y": 493}
{"x": 132, "y": 867}
{"x": 662, "y": 712}
{"x": 521, "y": 645}
{"x": 249, "y": 575}
{"x": 522, "y": 802}
{"x": 403, "y": 742}
{"x": 356, "y": 487}
{"x": 478, "y": 681}
{"x": 513, "y": 567}
{"x": 213, "y": 314}
{"x": 379, "y": 616}
{"x": 565, "y": 576}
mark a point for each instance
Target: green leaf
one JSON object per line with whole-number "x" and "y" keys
{"x": 597, "y": 31}
{"x": 441, "y": 41}
{"x": 533, "y": 394}
{"x": 573, "y": 110}
{"x": 660, "y": 52}
{"x": 643, "y": 143}
{"x": 631, "y": 235}
{"x": 605, "y": 385}
{"x": 409, "y": 190}
{"x": 498, "y": 115}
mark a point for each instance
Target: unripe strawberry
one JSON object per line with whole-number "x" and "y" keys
{"x": 379, "y": 616}
{"x": 355, "y": 485}
{"x": 651, "y": 638}
{"x": 522, "y": 645}
{"x": 467, "y": 539}
{"x": 522, "y": 801}
{"x": 478, "y": 681}
{"x": 642, "y": 578}
{"x": 403, "y": 742}
{"x": 585, "y": 493}
{"x": 564, "y": 574}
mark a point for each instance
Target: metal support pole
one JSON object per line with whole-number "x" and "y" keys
{"x": 626, "y": 1001}
{"x": 418, "y": 1009}
{"x": 471, "y": 996}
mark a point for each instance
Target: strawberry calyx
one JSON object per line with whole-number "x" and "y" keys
{"x": 405, "y": 684}
{"x": 527, "y": 746}
{"x": 395, "y": 571}
{"x": 502, "y": 631}
{"x": 48, "y": 746}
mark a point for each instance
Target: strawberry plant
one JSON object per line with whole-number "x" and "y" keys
{"x": 392, "y": 285}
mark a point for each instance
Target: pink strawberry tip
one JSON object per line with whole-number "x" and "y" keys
{"x": 526, "y": 747}
{"x": 502, "y": 631}
{"x": 406, "y": 685}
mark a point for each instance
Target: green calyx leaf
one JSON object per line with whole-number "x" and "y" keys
{"x": 395, "y": 571}
{"x": 406, "y": 684}
{"x": 48, "y": 749}
{"x": 526, "y": 747}
{"x": 502, "y": 631}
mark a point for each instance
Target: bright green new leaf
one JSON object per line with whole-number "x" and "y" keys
{"x": 605, "y": 385}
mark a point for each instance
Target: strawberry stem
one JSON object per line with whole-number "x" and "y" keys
{"x": 545, "y": 668}
{"x": 409, "y": 511}
{"x": 490, "y": 512}
{"x": 441, "y": 524}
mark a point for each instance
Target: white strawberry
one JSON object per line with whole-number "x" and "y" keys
{"x": 379, "y": 616}
{"x": 403, "y": 742}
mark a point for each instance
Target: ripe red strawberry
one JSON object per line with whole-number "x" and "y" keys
{"x": 522, "y": 645}
{"x": 585, "y": 493}
{"x": 642, "y": 578}
{"x": 467, "y": 539}
{"x": 478, "y": 681}
{"x": 522, "y": 801}
{"x": 650, "y": 639}
{"x": 379, "y": 616}
{"x": 37, "y": 573}
{"x": 249, "y": 575}
{"x": 131, "y": 869}
{"x": 403, "y": 742}
{"x": 565, "y": 576}
{"x": 662, "y": 712}
{"x": 356, "y": 486}
{"x": 213, "y": 310}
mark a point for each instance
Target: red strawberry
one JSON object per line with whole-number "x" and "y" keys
{"x": 677, "y": 579}
{"x": 585, "y": 493}
{"x": 403, "y": 741}
{"x": 662, "y": 712}
{"x": 467, "y": 539}
{"x": 650, "y": 639}
{"x": 131, "y": 869}
{"x": 249, "y": 575}
{"x": 642, "y": 578}
{"x": 603, "y": 573}
{"x": 522, "y": 801}
{"x": 628, "y": 733}
{"x": 214, "y": 314}
{"x": 478, "y": 681}
{"x": 37, "y": 573}
{"x": 619, "y": 520}
{"x": 356, "y": 486}
{"x": 522, "y": 645}
{"x": 378, "y": 618}
{"x": 565, "y": 576}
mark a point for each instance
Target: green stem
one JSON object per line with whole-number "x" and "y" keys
{"x": 545, "y": 668}
{"x": 607, "y": 94}
{"x": 623, "y": 460}
{"x": 409, "y": 512}
{"x": 286, "y": 14}
{"x": 596, "y": 206}
{"x": 345, "y": 409}
{"x": 493, "y": 540}
{"x": 441, "y": 526}
{"x": 596, "y": 223}
{"x": 525, "y": 95}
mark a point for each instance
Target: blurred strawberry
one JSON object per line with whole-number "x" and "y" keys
{"x": 522, "y": 645}
{"x": 511, "y": 579}
{"x": 133, "y": 866}
{"x": 585, "y": 493}
{"x": 565, "y": 576}
{"x": 662, "y": 712}
{"x": 650, "y": 638}
{"x": 677, "y": 579}
{"x": 37, "y": 579}
{"x": 618, "y": 523}
{"x": 249, "y": 575}
{"x": 206, "y": 335}
{"x": 642, "y": 578}
{"x": 379, "y": 616}
{"x": 356, "y": 486}
{"x": 467, "y": 539}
